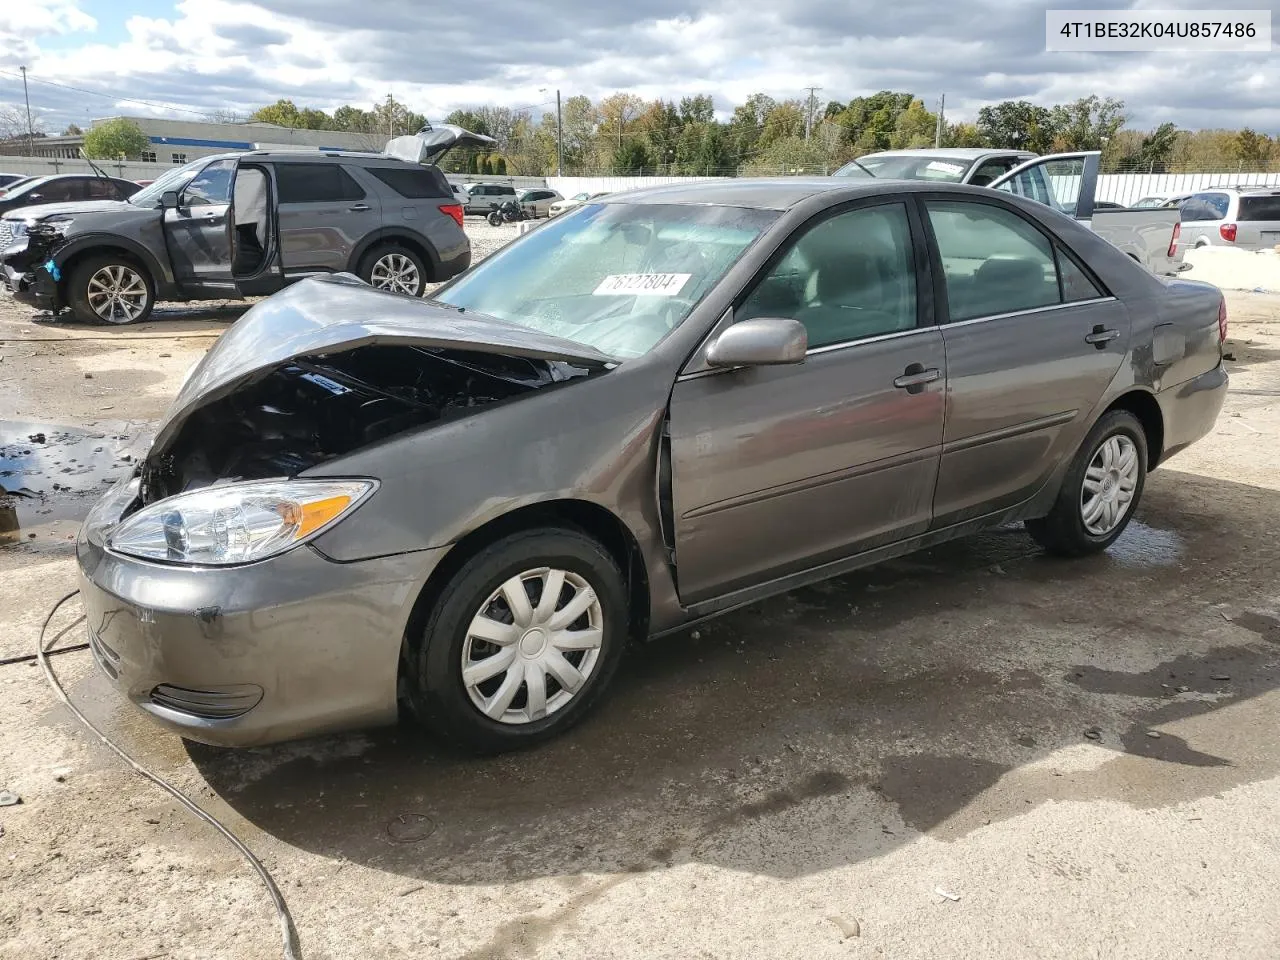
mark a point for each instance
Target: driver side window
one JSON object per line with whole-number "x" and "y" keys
{"x": 210, "y": 186}
{"x": 848, "y": 277}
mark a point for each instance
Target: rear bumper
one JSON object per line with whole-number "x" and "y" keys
{"x": 1191, "y": 409}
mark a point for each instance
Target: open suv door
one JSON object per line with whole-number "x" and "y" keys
{"x": 1067, "y": 182}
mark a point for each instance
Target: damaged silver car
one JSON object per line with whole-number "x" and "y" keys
{"x": 651, "y": 410}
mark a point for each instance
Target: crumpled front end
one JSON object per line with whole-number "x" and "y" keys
{"x": 29, "y": 268}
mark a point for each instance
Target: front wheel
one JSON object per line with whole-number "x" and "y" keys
{"x": 495, "y": 219}
{"x": 1101, "y": 489}
{"x": 522, "y": 643}
{"x": 110, "y": 289}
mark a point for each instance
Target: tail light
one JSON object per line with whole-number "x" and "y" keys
{"x": 1228, "y": 231}
{"x": 1222, "y": 320}
{"x": 1173, "y": 244}
{"x": 453, "y": 210}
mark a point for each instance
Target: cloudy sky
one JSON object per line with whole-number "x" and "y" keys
{"x": 199, "y": 56}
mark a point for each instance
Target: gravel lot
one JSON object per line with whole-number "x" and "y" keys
{"x": 951, "y": 755}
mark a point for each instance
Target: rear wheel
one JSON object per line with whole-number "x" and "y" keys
{"x": 394, "y": 268}
{"x": 1101, "y": 489}
{"x": 523, "y": 642}
{"x": 110, "y": 289}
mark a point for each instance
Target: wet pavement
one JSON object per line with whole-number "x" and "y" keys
{"x": 51, "y": 475}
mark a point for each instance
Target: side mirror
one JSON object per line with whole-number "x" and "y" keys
{"x": 170, "y": 200}
{"x": 758, "y": 342}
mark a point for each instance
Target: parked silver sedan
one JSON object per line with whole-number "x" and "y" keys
{"x": 646, "y": 412}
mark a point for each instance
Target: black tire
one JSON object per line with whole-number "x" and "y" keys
{"x": 89, "y": 271}
{"x": 1063, "y": 532}
{"x": 495, "y": 219}
{"x": 438, "y": 694}
{"x": 370, "y": 261}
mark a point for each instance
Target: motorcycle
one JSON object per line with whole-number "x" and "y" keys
{"x": 509, "y": 212}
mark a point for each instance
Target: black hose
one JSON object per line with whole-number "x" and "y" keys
{"x": 289, "y": 933}
{"x": 31, "y": 657}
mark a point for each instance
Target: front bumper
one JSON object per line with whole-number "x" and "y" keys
{"x": 33, "y": 285}
{"x": 289, "y": 647}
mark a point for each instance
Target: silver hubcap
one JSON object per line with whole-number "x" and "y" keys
{"x": 117, "y": 294}
{"x": 397, "y": 273}
{"x": 1110, "y": 483}
{"x": 532, "y": 645}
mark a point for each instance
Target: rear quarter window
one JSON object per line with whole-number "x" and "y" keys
{"x": 1260, "y": 208}
{"x": 414, "y": 183}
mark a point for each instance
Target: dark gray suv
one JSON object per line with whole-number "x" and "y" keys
{"x": 245, "y": 224}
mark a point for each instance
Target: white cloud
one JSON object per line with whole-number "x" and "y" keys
{"x": 222, "y": 54}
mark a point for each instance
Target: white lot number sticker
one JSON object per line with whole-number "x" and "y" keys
{"x": 647, "y": 284}
{"x": 942, "y": 166}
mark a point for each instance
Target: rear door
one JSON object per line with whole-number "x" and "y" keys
{"x": 1258, "y": 223}
{"x": 323, "y": 213}
{"x": 198, "y": 231}
{"x": 1068, "y": 182}
{"x": 1032, "y": 342}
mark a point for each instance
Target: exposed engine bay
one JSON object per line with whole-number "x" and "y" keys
{"x": 312, "y": 409}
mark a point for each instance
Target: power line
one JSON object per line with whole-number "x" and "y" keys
{"x": 109, "y": 96}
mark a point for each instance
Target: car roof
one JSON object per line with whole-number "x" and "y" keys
{"x": 955, "y": 153}
{"x": 780, "y": 193}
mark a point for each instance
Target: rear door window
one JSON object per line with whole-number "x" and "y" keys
{"x": 1260, "y": 208}
{"x": 60, "y": 191}
{"x": 315, "y": 183}
{"x": 994, "y": 261}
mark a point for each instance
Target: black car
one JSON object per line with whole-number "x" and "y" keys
{"x": 9, "y": 179}
{"x": 65, "y": 188}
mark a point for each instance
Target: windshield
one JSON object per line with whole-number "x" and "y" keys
{"x": 175, "y": 179}
{"x": 906, "y": 167}
{"x": 582, "y": 196}
{"x": 616, "y": 277}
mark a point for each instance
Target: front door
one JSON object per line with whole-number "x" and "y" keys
{"x": 1032, "y": 342}
{"x": 777, "y": 469}
{"x": 198, "y": 231}
{"x": 1067, "y": 182}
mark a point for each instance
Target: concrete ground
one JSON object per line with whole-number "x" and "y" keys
{"x": 972, "y": 752}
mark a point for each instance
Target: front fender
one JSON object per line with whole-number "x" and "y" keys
{"x": 160, "y": 269}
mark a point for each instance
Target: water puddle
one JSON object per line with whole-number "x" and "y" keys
{"x": 51, "y": 475}
{"x": 1144, "y": 546}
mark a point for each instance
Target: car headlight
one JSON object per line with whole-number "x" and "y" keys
{"x": 18, "y": 228}
{"x": 55, "y": 225}
{"x": 238, "y": 522}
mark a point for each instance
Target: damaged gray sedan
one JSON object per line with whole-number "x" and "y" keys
{"x": 654, "y": 409}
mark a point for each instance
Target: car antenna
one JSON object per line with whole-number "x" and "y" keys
{"x": 84, "y": 156}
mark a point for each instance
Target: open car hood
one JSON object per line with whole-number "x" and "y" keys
{"x": 324, "y": 316}
{"x": 430, "y": 142}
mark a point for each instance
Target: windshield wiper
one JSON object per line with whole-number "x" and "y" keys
{"x": 862, "y": 168}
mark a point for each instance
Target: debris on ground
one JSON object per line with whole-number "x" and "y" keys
{"x": 9, "y": 799}
{"x": 947, "y": 895}
{"x": 848, "y": 928}
{"x": 1153, "y": 734}
{"x": 1220, "y": 676}
{"x": 1093, "y": 733}
{"x": 61, "y": 773}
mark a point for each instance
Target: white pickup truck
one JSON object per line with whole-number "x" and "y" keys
{"x": 1064, "y": 181}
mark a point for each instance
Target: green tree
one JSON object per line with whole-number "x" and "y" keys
{"x": 962, "y": 135}
{"x": 353, "y": 120}
{"x": 1017, "y": 125}
{"x": 870, "y": 122}
{"x": 72, "y": 131}
{"x": 1085, "y": 124}
{"x": 499, "y": 165}
{"x": 630, "y": 159}
{"x": 282, "y": 113}
{"x": 914, "y": 127}
{"x": 784, "y": 121}
{"x": 1156, "y": 148}
{"x": 1251, "y": 150}
{"x": 114, "y": 139}
{"x": 697, "y": 109}
{"x": 472, "y": 164}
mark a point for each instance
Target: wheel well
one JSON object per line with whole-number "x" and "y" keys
{"x": 409, "y": 243}
{"x": 1143, "y": 406}
{"x": 124, "y": 253}
{"x": 580, "y": 515}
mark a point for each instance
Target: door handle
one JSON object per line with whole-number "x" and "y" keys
{"x": 1101, "y": 336}
{"x": 915, "y": 377}
{"x": 360, "y": 208}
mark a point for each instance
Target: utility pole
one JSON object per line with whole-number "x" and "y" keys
{"x": 810, "y": 105}
{"x": 937, "y": 134}
{"x": 31, "y": 133}
{"x": 559, "y": 139}
{"x": 391, "y": 129}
